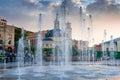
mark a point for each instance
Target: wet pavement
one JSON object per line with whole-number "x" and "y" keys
{"x": 75, "y": 72}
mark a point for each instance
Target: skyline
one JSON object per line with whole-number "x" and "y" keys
{"x": 24, "y": 13}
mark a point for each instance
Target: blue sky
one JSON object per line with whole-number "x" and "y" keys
{"x": 19, "y": 12}
{"x": 24, "y": 13}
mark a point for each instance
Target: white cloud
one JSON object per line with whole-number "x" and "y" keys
{"x": 33, "y": 1}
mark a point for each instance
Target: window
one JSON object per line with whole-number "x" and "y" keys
{"x": 51, "y": 45}
{"x": 47, "y": 45}
{"x": 10, "y": 36}
{"x": 1, "y": 41}
{"x": 2, "y": 23}
{"x": 9, "y": 42}
{"x": 0, "y": 36}
{"x": 107, "y": 49}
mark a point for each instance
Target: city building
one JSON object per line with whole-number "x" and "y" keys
{"x": 6, "y": 36}
{"x": 118, "y": 45}
{"x": 83, "y": 45}
{"x": 111, "y": 45}
{"x": 80, "y": 44}
{"x": 55, "y": 35}
{"x": 97, "y": 47}
{"x": 52, "y": 36}
{"x": 32, "y": 37}
{"x": 75, "y": 43}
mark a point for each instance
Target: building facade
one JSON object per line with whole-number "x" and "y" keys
{"x": 75, "y": 43}
{"x": 50, "y": 37}
{"x": 6, "y": 36}
{"x": 97, "y": 47}
{"x": 111, "y": 45}
{"x": 32, "y": 37}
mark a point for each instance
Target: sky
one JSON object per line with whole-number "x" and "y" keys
{"x": 24, "y": 13}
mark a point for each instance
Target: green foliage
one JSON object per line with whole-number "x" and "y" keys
{"x": 27, "y": 33}
{"x": 31, "y": 48}
{"x": 75, "y": 51}
{"x": 108, "y": 53}
{"x": 26, "y": 48}
{"x": 99, "y": 54}
{"x": 117, "y": 56}
{"x": 17, "y": 35}
{"x": 47, "y": 51}
{"x": 1, "y": 58}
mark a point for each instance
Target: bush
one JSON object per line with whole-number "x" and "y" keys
{"x": 99, "y": 54}
{"x": 117, "y": 56}
{"x": 75, "y": 51}
{"x": 1, "y": 58}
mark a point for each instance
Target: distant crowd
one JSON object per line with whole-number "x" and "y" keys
{"x": 7, "y": 57}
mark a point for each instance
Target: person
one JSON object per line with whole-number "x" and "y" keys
{"x": 14, "y": 57}
{"x": 11, "y": 57}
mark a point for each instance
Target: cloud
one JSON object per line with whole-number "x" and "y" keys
{"x": 19, "y": 12}
{"x": 104, "y": 7}
{"x": 24, "y": 13}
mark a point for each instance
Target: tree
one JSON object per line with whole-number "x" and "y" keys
{"x": 18, "y": 35}
{"x": 99, "y": 54}
{"x": 47, "y": 51}
{"x": 117, "y": 56}
{"x": 75, "y": 51}
{"x": 31, "y": 48}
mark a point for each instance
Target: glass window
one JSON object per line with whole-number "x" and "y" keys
{"x": 0, "y": 36}
{"x": 1, "y": 41}
{"x": 9, "y": 42}
{"x": 51, "y": 45}
{"x": 47, "y": 45}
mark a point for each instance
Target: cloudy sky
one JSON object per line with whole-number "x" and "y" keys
{"x": 24, "y": 13}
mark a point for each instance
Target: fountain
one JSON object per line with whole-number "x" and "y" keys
{"x": 21, "y": 50}
{"x": 39, "y": 56}
{"x": 63, "y": 68}
{"x": 29, "y": 53}
{"x": 112, "y": 53}
{"x": 20, "y": 55}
